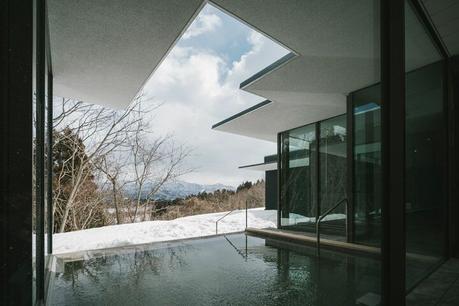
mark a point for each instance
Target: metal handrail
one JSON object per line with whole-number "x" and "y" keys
{"x": 216, "y": 222}
{"x": 328, "y": 211}
{"x": 246, "y": 221}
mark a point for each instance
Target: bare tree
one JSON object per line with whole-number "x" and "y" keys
{"x": 100, "y": 132}
{"x": 93, "y": 139}
{"x": 112, "y": 170}
{"x": 155, "y": 161}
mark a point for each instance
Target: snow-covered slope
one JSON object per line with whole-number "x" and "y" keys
{"x": 177, "y": 189}
{"x": 152, "y": 231}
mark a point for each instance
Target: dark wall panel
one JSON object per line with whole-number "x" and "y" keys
{"x": 454, "y": 155}
{"x": 16, "y": 153}
{"x": 271, "y": 189}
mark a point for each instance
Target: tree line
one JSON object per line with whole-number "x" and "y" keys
{"x": 252, "y": 194}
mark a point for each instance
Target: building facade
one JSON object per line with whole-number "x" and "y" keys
{"x": 334, "y": 151}
{"x": 363, "y": 111}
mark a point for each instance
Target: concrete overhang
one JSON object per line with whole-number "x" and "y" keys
{"x": 445, "y": 18}
{"x": 266, "y": 119}
{"x": 335, "y": 50}
{"x": 261, "y": 166}
{"x": 270, "y": 163}
{"x": 103, "y": 51}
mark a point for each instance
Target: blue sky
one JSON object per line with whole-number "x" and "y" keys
{"x": 219, "y": 33}
{"x": 198, "y": 86}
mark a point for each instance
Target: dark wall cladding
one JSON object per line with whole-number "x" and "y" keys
{"x": 271, "y": 190}
{"x": 16, "y": 154}
{"x": 454, "y": 140}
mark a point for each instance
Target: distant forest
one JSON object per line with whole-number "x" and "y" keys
{"x": 217, "y": 201}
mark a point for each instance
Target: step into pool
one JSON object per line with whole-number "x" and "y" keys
{"x": 231, "y": 269}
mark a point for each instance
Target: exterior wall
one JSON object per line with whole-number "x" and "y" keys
{"x": 16, "y": 155}
{"x": 454, "y": 153}
{"x": 271, "y": 191}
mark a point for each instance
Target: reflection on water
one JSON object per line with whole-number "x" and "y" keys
{"x": 236, "y": 270}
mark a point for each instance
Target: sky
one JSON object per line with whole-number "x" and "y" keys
{"x": 197, "y": 85}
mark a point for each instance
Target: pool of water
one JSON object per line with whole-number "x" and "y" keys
{"x": 222, "y": 270}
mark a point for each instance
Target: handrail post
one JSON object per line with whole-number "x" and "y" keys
{"x": 216, "y": 222}
{"x": 320, "y": 218}
{"x": 246, "y": 209}
{"x": 318, "y": 236}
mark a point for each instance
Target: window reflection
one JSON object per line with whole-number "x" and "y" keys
{"x": 297, "y": 190}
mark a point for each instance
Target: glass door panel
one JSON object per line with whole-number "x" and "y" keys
{"x": 425, "y": 149}
{"x": 367, "y": 165}
{"x": 298, "y": 209}
{"x": 333, "y": 174}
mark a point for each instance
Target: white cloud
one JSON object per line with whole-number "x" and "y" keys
{"x": 202, "y": 24}
{"x": 198, "y": 89}
{"x": 263, "y": 52}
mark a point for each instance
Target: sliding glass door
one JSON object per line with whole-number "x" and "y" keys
{"x": 298, "y": 205}
{"x": 425, "y": 152}
{"x": 333, "y": 175}
{"x": 366, "y": 189}
{"x": 314, "y": 181}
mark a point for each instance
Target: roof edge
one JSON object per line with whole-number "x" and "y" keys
{"x": 277, "y": 64}
{"x": 240, "y": 114}
{"x": 251, "y": 165}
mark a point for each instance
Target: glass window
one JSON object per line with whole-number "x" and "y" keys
{"x": 297, "y": 188}
{"x": 367, "y": 166}
{"x": 333, "y": 174}
{"x": 425, "y": 149}
{"x": 300, "y": 205}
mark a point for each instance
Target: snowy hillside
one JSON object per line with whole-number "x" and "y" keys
{"x": 153, "y": 231}
{"x": 177, "y": 189}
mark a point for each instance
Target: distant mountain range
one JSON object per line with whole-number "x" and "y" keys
{"x": 176, "y": 189}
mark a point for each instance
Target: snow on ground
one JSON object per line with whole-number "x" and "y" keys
{"x": 153, "y": 231}
{"x": 296, "y": 219}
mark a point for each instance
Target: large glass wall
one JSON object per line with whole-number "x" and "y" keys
{"x": 298, "y": 208}
{"x": 425, "y": 149}
{"x": 333, "y": 174}
{"x": 425, "y": 157}
{"x": 366, "y": 204}
{"x": 307, "y": 191}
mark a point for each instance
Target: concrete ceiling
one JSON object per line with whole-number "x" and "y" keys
{"x": 337, "y": 49}
{"x": 103, "y": 51}
{"x": 445, "y": 17}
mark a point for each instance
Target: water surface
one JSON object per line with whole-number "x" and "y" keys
{"x": 223, "y": 270}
